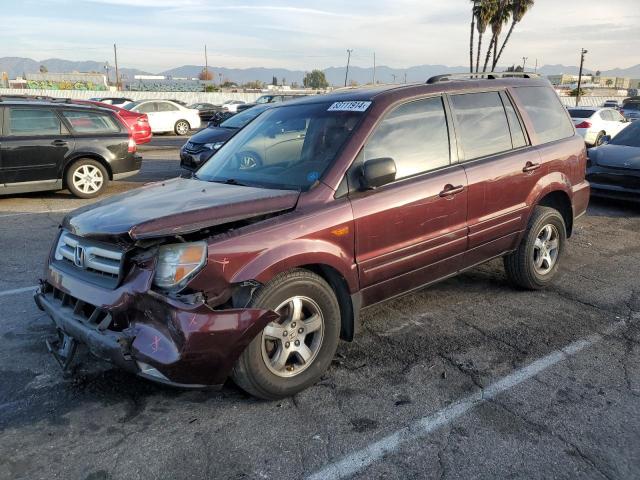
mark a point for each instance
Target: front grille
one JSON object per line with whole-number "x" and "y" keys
{"x": 103, "y": 263}
{"x": 84, "y": 311}
{"x": 624, "y": 181}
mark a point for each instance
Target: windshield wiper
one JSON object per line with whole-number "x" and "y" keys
{"x": 230, "y": 181}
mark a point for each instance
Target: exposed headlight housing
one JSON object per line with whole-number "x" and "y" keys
{"x": 213, "y": 146}
{"x": 178, "y": 263}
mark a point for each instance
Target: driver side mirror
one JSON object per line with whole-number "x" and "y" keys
{"x": 378, "y": 172}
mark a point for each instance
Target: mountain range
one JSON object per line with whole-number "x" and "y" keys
{"x": 17, "y": 66}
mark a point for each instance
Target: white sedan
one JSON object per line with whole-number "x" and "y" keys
{"x": 232, "y": 105}
{"x": 594, "y": 123}
{"x": 167, "y": 116}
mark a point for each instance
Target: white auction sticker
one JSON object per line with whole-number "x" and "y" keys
{"x": 353, "y": 106}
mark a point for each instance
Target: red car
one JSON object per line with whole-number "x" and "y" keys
{"x": 138, "y": 123}
{"x": 354, "y": 198}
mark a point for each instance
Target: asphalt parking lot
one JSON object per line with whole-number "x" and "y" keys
{"x": 467, "y": 379}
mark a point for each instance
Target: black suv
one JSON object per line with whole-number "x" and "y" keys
{"x": 50, "y": 145}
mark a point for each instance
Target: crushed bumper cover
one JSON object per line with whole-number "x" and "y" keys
{"x": 150, "y": 335}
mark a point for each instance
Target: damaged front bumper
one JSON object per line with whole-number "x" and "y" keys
{"x": 151, "y": 335}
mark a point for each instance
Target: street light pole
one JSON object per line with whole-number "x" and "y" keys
{"x": 583, "y": 52}
{"x": 524, "y": 62}
{"x": 346, "y": 75}
{"x": 115, "y": 56}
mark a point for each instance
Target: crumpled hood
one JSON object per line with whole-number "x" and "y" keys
{"x": 175, "y": 207}
{"x": 616, "y": 156}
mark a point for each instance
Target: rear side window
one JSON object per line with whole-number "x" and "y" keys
{"x": 33, "y": 122}
{"x": 547, "y": 114}
{"x": 415, "y": 135}
{"x": 146, "y": 107}
{"x": 481, "y": 124}
{"x": 90, "y": 122}
{"x": 166, "y": 107}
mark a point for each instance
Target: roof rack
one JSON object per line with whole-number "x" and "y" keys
{"x": 480, "y": 76}
{"x": 36, "y": 98}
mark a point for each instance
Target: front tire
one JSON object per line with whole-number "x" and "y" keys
{"x": 599, "y": 139}
{"x": 293, "y": 352}
{"x": 534, "y": 264}
{"x": 182, "y": 127}
{"x": 86, "y": 178}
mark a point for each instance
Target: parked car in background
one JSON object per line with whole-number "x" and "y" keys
{"x": 117, "y": 101}
{"x": 257, "y": 273}
{"x": 167, "y": 116}
{"x": 270, "y": 99}
{"x": 595, "y": 123}
{"x": 207, "y": 111}
{"x": 138, "y": 123}
{"x": 231, "y": 105}
{"x": 631, "y": 110}
{"x": 47, "y": 145}
{"x": 204, "y": 144}
{"x": 611, "y": 104}
{"x": 613, "y": 168}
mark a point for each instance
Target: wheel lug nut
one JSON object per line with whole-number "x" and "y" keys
{"x": 284, "y": 334}
{"x": 297, "y": 342}
{"x": 293, "y": 325}
{"x": 286, "y": 345}
{"x": 300, "y": 330}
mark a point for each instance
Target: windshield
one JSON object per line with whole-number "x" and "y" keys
{"x": 629, "y": 136}
{"x": 631, "y": 106}
{"x": 239, "y": 120}
{"x": 286, "y": 147}
{"x": 579, "y": 113}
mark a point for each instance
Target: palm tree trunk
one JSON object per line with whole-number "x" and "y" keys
{"x": 479, "y": 50}
{"x": 486, "y": 59}
{"x": 473, "y": 27}
{"x": 497, "y": 59}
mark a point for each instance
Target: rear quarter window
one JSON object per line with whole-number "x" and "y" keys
{"x": 90, "y": 122}
{"x": 548, "y": 116}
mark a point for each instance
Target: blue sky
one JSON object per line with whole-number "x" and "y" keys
{"x": 158, "y": 34}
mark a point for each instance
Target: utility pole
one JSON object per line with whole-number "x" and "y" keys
{"x": 524, "y": 62}
{"x": 583, "y": 52}
{"x": 535, "y": 69}
{"x": 115, "y": 55}
{"x": 405, "y": 77}
{"x": 374, "y": 68}
{"x": 206, "y": 63}
{"x": 394, "y": 77}
{"x": 346, "y": 75}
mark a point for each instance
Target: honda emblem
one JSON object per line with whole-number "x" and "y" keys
{"x": 78, "y": 257}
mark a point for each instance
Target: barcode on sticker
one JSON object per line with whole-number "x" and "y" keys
{"x": 352, "y": 106}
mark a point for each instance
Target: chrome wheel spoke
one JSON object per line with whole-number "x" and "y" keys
{"x": 274, "y": 330}
{"x": 296, "y": 309}
{"x": 312, "y": 324}
{"x": 279, "y": 360}
{"x": 553, "y": 244}
{"x": 538, "y": 244}
{"x": 304, "y": 353}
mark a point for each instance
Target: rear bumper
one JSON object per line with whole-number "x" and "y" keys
{"x": 145, "y": 333}
{"x": 131, "y": 163}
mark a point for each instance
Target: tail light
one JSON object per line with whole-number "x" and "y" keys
{"x": 584, "y": 124}
{"x": 143, "y": 121}
{"x": 132, "y": 145}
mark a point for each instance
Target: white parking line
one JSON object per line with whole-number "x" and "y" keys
{"x": 36, "y": 213}
{"x": 15, "y": 291}
{"x": 361, "y": 459}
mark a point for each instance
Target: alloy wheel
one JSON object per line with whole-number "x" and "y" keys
{"x": 88, "y": 179}
{"x": 247, "y": 162}
{"x": 545, "y": 249}
{"x": 182, "y": 128}
{"x": 291, "y": 344}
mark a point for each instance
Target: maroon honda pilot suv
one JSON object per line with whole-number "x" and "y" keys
{"x": 354, "y": 198}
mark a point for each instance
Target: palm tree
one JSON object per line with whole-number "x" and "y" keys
{"x": 474, "y": 12}
{"x": 485, "y": 10}
{"x": 518, "y": 10}
{"x": 499, "y": 18}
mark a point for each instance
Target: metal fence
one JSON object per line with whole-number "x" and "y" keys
{"x": 589, "y": 101}
{"x": 187, "y": 97}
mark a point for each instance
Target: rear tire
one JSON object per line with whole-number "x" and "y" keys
{"x": 182, "y": 127}
{"x": 86, "y": 178}
{"x": 534, "y": 264}
{"x": 292, "y": 353}
{"x": 599, "y": 138}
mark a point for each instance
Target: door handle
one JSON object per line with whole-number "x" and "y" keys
{"x": 59, "y": 143}
{"x": 450, "y": 190}
{"x": 530, "y": 167}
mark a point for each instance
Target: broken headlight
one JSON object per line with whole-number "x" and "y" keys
{"x": 179, "y": 262}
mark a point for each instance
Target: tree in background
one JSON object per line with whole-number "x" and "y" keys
{"x": 210, "y": 88}
{"x": 206, "y": 75}
{"x": 518, "y": 10}
{"x": 254, "y": 85}
{"x": 498, "y": 20}
{"x": 574, "y": 92}
{"x": 609, "y": 82}
{"x": 484, "y": 12}
{"x": 43, "y": 69}
{"x": 274, "y": 81}
{"x": 315, "y": 79}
